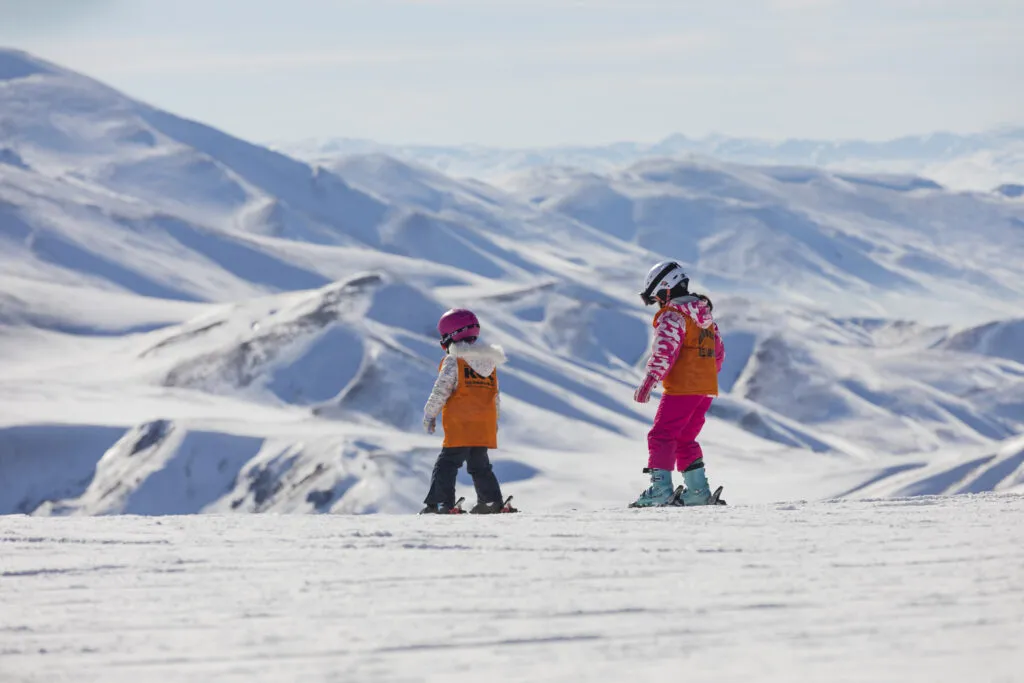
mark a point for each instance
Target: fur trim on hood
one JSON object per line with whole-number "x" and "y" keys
{"x": 483, "y": 358}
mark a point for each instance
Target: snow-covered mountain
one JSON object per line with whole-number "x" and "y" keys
{"x": 979, "y": 161}
{"x": 189, "y": 322}
{"x": 847, "y": 241}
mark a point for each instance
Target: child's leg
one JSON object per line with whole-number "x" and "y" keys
{"x": 670, "y": 421}
{"x": 442, "y": 479}
{"x": 479, "y": 467}
{"x": 688, "y": 451}
{"x": 690, "y": 459}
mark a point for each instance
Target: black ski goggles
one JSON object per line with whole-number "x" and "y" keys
{"x": 647, "y": 299}
{"x": 447, "y": 339}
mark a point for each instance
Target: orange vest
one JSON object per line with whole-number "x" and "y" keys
{"x": 694, "y": 372}
{"x": 470, "y": 416}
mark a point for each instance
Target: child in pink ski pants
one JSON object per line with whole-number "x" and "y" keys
{"x": 672, "y": 441}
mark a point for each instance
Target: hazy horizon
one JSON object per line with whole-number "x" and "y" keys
{"x": 650, "y": 141}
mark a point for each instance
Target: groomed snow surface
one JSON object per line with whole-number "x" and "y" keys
{"x": 924, "y": 589}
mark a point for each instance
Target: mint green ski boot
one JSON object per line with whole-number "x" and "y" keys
{"x": 697, "y": 490}
{"x": 660, "y": 491}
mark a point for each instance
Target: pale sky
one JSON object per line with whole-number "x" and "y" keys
{"x": 541, "y": 72}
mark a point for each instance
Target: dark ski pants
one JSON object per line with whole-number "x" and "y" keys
{"x": 446, "y": 469}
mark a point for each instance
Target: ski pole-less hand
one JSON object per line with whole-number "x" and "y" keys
{"x": 429, "y": 424}
{"x": 643, "y": 392}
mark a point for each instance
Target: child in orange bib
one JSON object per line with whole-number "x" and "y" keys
{"x": 466, "y": 396}
{"x": 686, "y": 357}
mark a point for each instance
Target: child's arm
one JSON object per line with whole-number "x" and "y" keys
{"x": 444, "y": 385}
{"x": 668, "y": 339}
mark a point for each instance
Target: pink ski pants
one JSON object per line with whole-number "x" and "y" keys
{"x": 672, "y": 441}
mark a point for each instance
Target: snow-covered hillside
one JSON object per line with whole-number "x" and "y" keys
{"x": 978, "y": 162}
{"x": 191, "y": 323}
{"x": 924, "y": 589}
{"x": 893, "y": 244}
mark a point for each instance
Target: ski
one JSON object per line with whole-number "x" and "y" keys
{"x": 507, "y": 506}
{"x": 676, "y": 500}
{"x": 716, "y": 497}
{"x": 453, "y": 510}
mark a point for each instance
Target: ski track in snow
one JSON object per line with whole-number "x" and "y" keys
{"x": 924, "y": 589}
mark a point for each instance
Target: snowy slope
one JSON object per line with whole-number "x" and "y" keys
{"x": 898, "y": 245}
{"x": 114, "y": 194}
{"x": 878, "y": 386}
{"x": 979, "y": 469}
{"x": 922, "y": 589}
{"x": 980, "y": 161}
{"x": 328, "y": 382}
{"x": 191, "y": 323}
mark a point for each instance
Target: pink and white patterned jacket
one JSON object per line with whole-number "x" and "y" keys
{"x": 671, "y": 332}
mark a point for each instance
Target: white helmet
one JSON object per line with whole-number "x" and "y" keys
{"x": 661, "y": 280}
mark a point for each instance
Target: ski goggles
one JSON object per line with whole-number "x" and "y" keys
{"x": 448, "y": 338}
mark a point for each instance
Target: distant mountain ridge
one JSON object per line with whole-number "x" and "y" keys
{"x": 976, "y": 161}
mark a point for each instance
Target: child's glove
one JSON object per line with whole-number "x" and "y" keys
{"x": 643, "y": 392}
{"x": 429, "y": 424}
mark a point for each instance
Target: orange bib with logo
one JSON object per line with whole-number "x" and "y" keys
{"x": 694, "y": 372}
{"x": 470, "y": 417}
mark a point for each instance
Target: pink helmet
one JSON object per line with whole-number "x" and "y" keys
{"x": 456, "y": 325}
